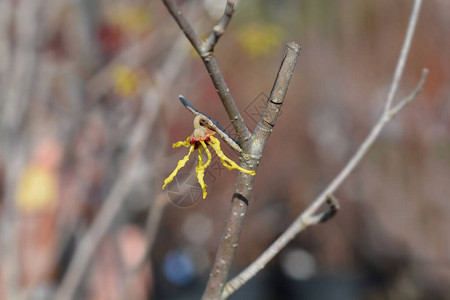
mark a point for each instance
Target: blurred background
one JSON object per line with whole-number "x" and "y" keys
{"x": 89, "y": 110}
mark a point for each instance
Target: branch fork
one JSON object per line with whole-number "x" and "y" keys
{"x": 253, "y": 144}
{"x": 333, "y": 207}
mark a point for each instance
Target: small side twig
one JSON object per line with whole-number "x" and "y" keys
{"x": 214, "y": 125}
{"x": 399, "y": 106}
{"x": 403, "y": 54}
{"x": 333, "y": 207}
{"x": 219, "y": 29}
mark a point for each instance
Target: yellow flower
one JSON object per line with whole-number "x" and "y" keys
{"x": 199, "y": 140}
{"x": 131, "y": 18}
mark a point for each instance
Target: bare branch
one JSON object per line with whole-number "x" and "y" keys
{"x": 403, "y": 54}
{"x": 211, "y": 124}
{"x": 184, "y": 24}
{"x": 223, "y": 91}
{"x": 213, "y": 70}
{"x": 219, "y": 29}
{"x": 304, "y": 220}
{"x": 244, "y": 183}
{"x": 333, "y": 207}
{"x": 276, "y": 98}
{"x": 397, "y": 108}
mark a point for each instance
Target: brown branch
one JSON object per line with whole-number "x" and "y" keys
{"x": 184, "y": 24}
{"x": 219, "y": 29}
{"x": 214, "y": 72}
{"x": 250, "y": 158}
{"x": 276, "y": 98}
{"x": 308, "y": 218}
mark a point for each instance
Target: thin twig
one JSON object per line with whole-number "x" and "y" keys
{"x": 214, "y": 72}
{"x": 403, "y": 54}
{"x": 184, "y": 24}
{"x": 211, "y": 124}
{"x": 333, "y": 207}
{"x": 13, "y": 123}
{"x": 304, "y": 220}
{"x": 250, "y": 158}
{"x": 399, "y": 106}
{"x": 219, "y": 29}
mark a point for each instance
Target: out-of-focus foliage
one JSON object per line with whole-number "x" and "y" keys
{"x": 132, "y": 19}
{"x": 126, "y": 81}
{"x": 37, "y": 188}
{"x": 260, "y": 39}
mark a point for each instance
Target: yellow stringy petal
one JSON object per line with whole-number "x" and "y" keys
{"x": 228, "y": 163}
{"x": 182, "y": 143}
{"x": 200, "y": 169}
{"x": 180, "y": 164}
{"x": 207, "y": 154}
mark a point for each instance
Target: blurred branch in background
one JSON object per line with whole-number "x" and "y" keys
{"x": 17, "y": 88}
{"x": 132, "y": 161}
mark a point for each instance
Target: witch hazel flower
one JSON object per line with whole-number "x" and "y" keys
{"x": 201, "y": 138}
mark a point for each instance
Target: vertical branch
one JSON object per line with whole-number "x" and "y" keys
{"x": 276, "y": 98}
{"x": 18, "y": 90}
{"x": 244, "y": 182}
{"x": 5, "y": 43}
